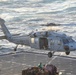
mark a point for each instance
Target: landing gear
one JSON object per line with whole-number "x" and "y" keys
{"x": 50, "y": 54}
{"x": 67, "y": 53}
{"x": 15, "y": 49}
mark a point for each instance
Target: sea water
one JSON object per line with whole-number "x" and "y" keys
{"x": 24, "y": 16}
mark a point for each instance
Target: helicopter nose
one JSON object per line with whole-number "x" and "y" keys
{"x": 72, "y": 46}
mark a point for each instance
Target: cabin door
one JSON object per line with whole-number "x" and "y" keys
{"x": 57, "y": 44}
{"x": 43, "y": 43}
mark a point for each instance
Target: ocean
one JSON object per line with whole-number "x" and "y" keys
{"x": 24, "y": 16}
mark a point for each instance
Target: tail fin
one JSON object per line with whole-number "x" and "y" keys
{"x": 5, "y": 30}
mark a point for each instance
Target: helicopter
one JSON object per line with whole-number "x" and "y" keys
{"x": 44, "y": 40}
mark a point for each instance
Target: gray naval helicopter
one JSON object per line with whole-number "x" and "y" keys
{"x": 43, "y": 40}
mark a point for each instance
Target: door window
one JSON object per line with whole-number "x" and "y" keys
{"x": 51, "y": 42}
{"x": 32, "y": 40}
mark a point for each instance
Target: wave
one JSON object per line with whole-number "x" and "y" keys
{"x": 30, "y": 14}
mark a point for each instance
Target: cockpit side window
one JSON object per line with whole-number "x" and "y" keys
{"x": 65, "y": 41}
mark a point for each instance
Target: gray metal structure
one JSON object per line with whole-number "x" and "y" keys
{"x": 12, "y": 64}
{"x": 47, "y": 40}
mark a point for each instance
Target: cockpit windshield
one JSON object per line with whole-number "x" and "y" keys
{"x": 65, "y": 40}
{"x": 70, "y": 40}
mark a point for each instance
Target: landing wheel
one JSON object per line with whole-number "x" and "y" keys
{"x": 15, "y": 49}
{"x": 50, "y": 54}
{"x": 67, "y": 53}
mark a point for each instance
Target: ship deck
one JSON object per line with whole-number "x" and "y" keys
{"x": 13, "y": 64}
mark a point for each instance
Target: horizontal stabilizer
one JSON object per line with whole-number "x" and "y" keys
{"x": 2, "y": 37}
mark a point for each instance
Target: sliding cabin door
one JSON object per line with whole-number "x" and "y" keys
{"x": 43, "y": 43}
